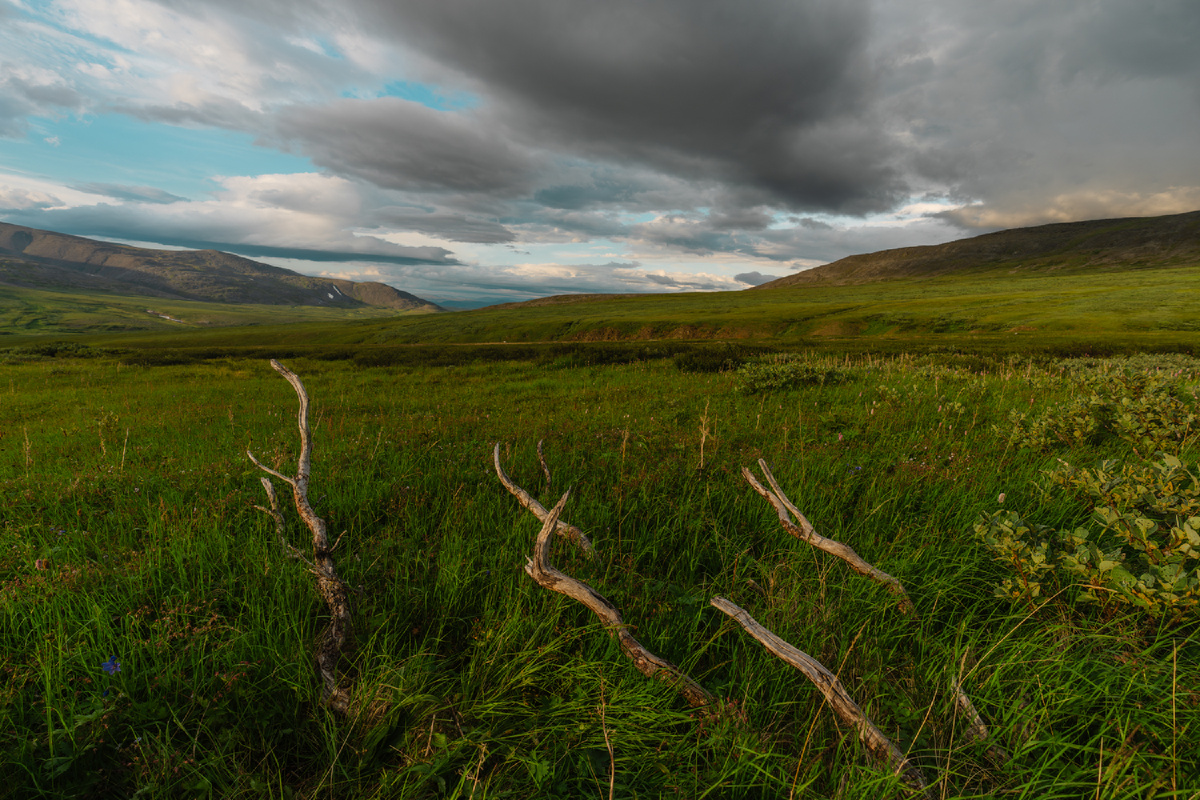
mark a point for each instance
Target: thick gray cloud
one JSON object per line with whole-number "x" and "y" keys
{"x": 400, "y": 144}
{"x": 774, "y": 94}
{"x": 1043, "y": 112}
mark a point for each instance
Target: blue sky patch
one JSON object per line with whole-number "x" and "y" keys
{"x": 118, "y": 149}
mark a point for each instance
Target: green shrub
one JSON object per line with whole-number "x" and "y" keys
{"x": 1150, "y": 411}
{"x": 1142, "y": 549}
{"x": 781, "y": 372}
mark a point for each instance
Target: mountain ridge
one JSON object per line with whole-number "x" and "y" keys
{"x": 47, "y": 260}
{"x": 1122, "y": 243}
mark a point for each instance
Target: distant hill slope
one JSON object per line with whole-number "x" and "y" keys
{"x": 1108, "y": 244}
{"x": 49, "y": 261}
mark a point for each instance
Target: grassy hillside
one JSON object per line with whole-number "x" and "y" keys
{"x": 33, "y": 313}
{"x": 50, "y": 261}
{"x": 1090, "y": 247}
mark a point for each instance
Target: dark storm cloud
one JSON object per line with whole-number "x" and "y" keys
{"x": 1045, "y": 112}
{"x": 774, "y": 94}
{"x": 1147, "y": 39}
{"x": 399, "y": 144}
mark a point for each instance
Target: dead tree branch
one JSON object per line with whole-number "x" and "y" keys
{"x": 878, "y": 745}
{"x": 541, "y": 570}
{"x": 803, "y": 530}
{"x": 275, "y": 512}
{"x": 575, "y": 535}
{"x": 336, "y": 638}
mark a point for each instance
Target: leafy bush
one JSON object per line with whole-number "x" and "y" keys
{"x": 1150, "y": 411}
{"x": 1143, "y": 548}
{"x": 781, "y": 372}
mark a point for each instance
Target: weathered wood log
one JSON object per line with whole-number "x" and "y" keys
{"x": 803, "y": 530}
{"x": 541, "y": 570}
{"x": 574, "y": 534}
{"x": 333, "y": 643}
{"x": 877, "y": 744}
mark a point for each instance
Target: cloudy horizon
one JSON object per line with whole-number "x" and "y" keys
{"x": 481, "y": 151}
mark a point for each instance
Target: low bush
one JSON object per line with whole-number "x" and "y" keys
{"x": 784, "y": 372}
{"x": 1142, "y": 548}
{"x": 1150, "y": 411}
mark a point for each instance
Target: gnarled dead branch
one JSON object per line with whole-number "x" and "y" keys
{"x": 877, "y": 744}
{"x": 541, "y": 570}
{"x": 336, "y": 638}
{"x": 575, "y": 535}
{"x": 802, "y": 529}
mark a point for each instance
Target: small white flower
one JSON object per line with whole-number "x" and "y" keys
{"x": 1001, "y": 497}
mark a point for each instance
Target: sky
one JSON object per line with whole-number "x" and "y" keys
{"x": 484, "y": 151}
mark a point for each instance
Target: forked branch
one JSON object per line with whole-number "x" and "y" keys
{"x": 575, "y": 535}
{"x": 878, "y": 745}
{"x": 802, "y": 529}
{"x": 336, "y": 638}
{"x": 541, "y": 570}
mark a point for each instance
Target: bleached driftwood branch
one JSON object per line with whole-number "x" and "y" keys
{"x": 574, "y": 534}
{"x": 541, "y": 570}
{"x": 336, "y": 638}
{"x": 803, "y": 530}
{"x": 877, "y": 744}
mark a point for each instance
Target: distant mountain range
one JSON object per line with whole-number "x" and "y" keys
{"x": 1069, "y": 247}
{"x": 45, "y": 260}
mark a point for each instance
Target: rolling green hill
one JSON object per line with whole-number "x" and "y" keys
{"x": 1069, "y": 247}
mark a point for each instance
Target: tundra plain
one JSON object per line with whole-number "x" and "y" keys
{"x": 158, "y": 642}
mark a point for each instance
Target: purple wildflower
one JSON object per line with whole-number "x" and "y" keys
{"x": 112, "y": 666}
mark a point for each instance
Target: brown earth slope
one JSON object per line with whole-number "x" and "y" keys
{"x": 58, "y": 262}
{"x": 1137, "y": 242}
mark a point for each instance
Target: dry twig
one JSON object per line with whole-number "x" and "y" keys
{"x": 575, "y": 535}
{"x": 803, "y": 530}
{"x": 877, "y": 744}
{"x": 541, "y": 570}
{"x": 336, "y": 638}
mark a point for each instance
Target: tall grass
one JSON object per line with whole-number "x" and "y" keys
{"x": 128, "y": 531}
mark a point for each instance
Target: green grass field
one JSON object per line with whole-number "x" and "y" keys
{"x": 128, "y": 536}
